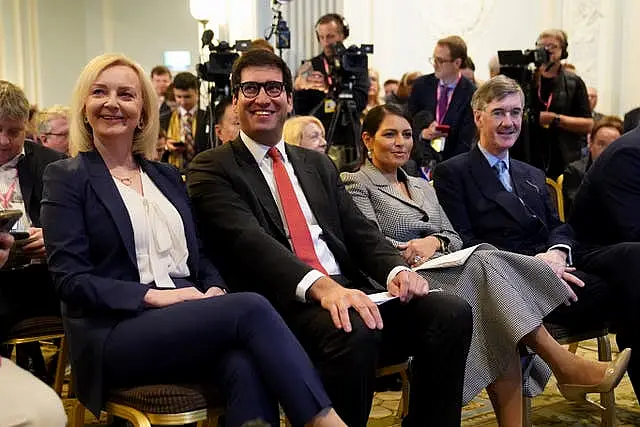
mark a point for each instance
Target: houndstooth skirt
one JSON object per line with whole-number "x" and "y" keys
{"x": 510, "y": 294}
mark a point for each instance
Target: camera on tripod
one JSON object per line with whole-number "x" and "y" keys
{"x": 221, "y": 58}
{"x": 518, "y": 58}
{"x": 348, "y": 63}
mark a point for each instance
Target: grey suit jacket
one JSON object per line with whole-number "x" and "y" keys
{"x": 400, "y": 218}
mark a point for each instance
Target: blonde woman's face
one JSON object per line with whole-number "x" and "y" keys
{"x": 114, "y": 104}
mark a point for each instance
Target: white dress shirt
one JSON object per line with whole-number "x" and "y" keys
{"x": 8, "y": 178}
{"x": 323, "y": 252}
{"x": 158, "y": 231}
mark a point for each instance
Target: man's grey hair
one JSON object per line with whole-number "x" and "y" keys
{"x": 496, "y": 88}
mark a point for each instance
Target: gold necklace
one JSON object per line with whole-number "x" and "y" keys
{"x": 126, "y": 180}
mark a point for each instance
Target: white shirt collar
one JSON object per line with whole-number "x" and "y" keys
{"x": 183, "y": 112}
{"x": 259, "y": 151}
{"x": 13, "y": 162}
{"x": 492, "y": 159}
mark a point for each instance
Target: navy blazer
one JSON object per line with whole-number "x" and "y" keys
{"x": 422, "y": 109}
{"x": 92, "y": 258}
{"x": 481, "y": 210}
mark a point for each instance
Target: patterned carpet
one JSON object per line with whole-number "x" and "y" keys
{"x": 549, "y": 409}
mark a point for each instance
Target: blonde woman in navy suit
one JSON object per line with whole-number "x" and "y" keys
{"x": 510, "y": 293}
{"x": 141, "y": 305}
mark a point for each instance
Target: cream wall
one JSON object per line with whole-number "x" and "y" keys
{"x": 44, "y": 43}
{"x": 602, "y": 36}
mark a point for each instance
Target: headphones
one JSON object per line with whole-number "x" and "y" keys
{"x": 344, "y": 25}
{"x": 564, "y": 43}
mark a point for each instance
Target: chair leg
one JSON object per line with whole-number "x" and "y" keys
{"x": 526, "y": 411}
{"x": 77, "y": 415}
{"x": 63, "y": 353}
{"x": 403, "y": 406}
{"x": 607, "y": 400}
{"x": 573, "y": 347}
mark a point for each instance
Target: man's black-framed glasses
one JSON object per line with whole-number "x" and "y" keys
{"x": 272, "y": 88}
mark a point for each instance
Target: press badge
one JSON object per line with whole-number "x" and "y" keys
{"x": 438, "y": 144}
{"x": 329, "y": 106}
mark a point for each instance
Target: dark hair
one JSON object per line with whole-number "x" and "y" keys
{"x": 218, "y": 111}
{"x": 185, "y": 81}
{"x": 391, "y": 82}
{"x": 259, "y": 58}
{"x": 160, "y": 70}
{"x": 607, "y": 122}
{"x": 375, "y": 116}
{"x": 468, "y": 64}
{"x": 457, "y": 47}
{"x": 334, "y": 17}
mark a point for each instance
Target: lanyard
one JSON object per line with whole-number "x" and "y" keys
{"x": 6, "y": 197}
{"x": 438, "y": 93}
{"x": 548, "y": 103}
{"x": 326, "y": 69}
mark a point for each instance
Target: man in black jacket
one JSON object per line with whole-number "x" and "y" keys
{"x": 315, "y": 87}
{"x": 26, "y": 291}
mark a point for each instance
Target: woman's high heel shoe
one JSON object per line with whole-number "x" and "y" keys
{"x": 614, "y": 373}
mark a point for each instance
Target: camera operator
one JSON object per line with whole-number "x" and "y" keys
{"x": 560, "y": 98}
{"x": 314, "y": 79}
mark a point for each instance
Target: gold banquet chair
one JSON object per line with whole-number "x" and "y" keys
{"x": 42, "y": 329}
{"x": 555, "y": 190}
{"x": 161, "y": 405}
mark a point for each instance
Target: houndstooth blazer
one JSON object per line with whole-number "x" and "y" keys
{"x": 400, "y": 218}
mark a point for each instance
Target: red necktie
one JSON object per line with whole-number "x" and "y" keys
{"x": 298, "y": 228}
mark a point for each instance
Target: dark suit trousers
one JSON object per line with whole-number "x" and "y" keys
{"x": 435, "y": 330}
{"x": 237, "y": 342}
{"x": 593, "y": 308}
{"x": 619, "y": 265}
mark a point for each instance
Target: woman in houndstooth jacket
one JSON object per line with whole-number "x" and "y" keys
{"x": 510, "y": 293}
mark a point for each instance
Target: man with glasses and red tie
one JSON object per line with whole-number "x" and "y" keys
{"x": 561, "y": 99}
{"x": 285, "y": 227}
{"x": 440, "y": 106}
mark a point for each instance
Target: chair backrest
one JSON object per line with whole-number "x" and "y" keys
{"x": 555, "y": 190}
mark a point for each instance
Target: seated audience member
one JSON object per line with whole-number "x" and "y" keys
{"x": 373, "y": 96}
{"x": 490, "y": 197}
{"x": 605, "y": 218}
{"x": 604, "y": 132}
{"x": 631, "y": 119}
{"x": 25, "y": 400}
{"x": 261, "y": 44}
{"x": 401, "y": 97}
{"x": 439, "y": 105}
{"x": 161, "y": 79}
{"x": 592, "y": 93}
{"x": 312, "y": 248}
{"x": 227, "y": 127}
{"x": 52, "y": 127}
{"x": 160, "y": 154}
{"x": 517, "y": 289}
{"x": 468, "y": 70}
{"x": 25, "y": 291}
{"x": 125, "y": 259}
{"x": 305, "y": 131}
{"x": 390, "y": 87}
{"x": 494, "y": 66}
{"x": 189, "y": 130}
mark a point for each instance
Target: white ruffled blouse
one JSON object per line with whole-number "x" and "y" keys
{"x": 161, "y": 245}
